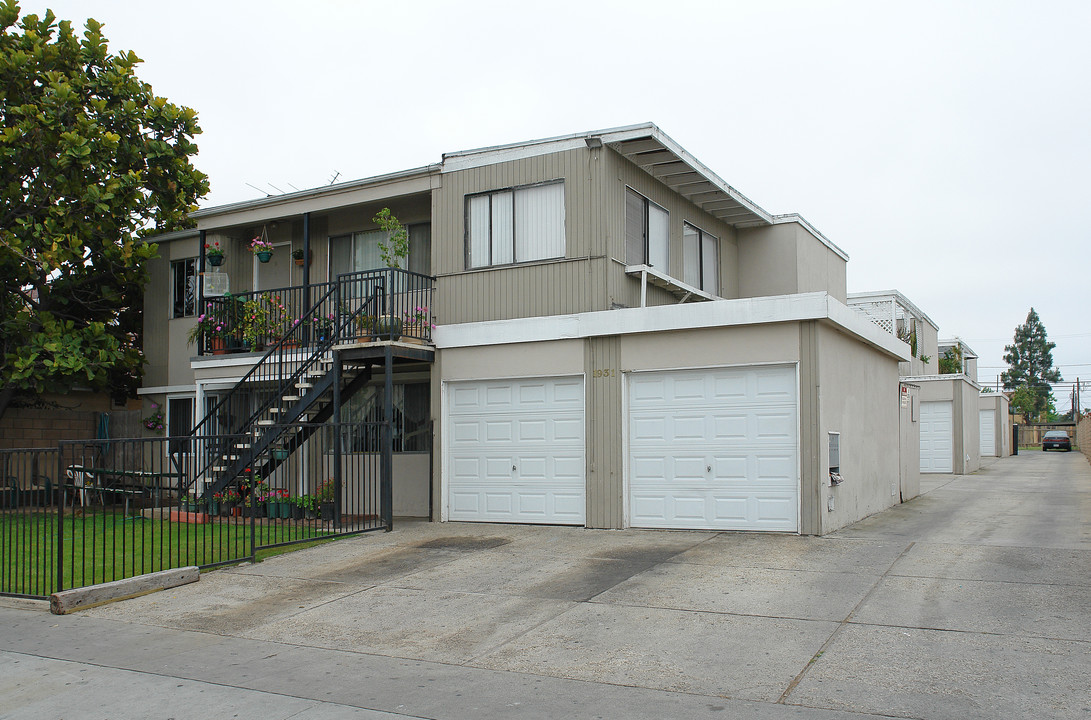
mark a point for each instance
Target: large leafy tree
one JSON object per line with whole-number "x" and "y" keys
{"x": 91, "y": 162}
{"x": 1030, "y": 367}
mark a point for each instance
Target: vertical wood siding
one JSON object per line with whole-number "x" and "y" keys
{"x": 623, "y": 290}
{"x": 605, "y": 455}
{"x": 551, "y": 287}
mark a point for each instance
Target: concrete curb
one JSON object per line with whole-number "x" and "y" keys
{"x": 66, "y": 601}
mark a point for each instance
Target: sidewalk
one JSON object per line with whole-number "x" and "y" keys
{"x": 971, "y": 601}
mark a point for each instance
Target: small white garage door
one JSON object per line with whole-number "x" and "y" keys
{"x": 515, "y": 451}
{"x": 714, "y": 449}
{"x": 988, "y": 433}
{"x": 937, "y": 437}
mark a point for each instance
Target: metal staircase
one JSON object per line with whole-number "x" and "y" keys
{"x": 296, "y": 385}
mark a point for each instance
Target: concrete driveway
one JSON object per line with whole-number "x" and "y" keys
{"x": 971, "y": 601}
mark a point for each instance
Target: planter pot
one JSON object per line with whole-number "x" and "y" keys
{"x": 388, "y": 328}
{"x": 278, "y": 510}
{"x": 257, "y": 511}
{"x": 218, "y": 345}
{"x": 295, "y": 512}
{"x": 190, "y": 506}
{"x": 280, "y": 453}
{"x": 326, "y": 511}
{"x": 214, "y": 508}
{"x": 264, "y": 255}
{"x": 298, "y": 261}
{"x": 215, "y": 260}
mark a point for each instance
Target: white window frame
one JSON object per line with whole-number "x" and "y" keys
{"x": 647, "y": 256}
{"x": 703, "y": 265}
{"x": 497, "y": 236}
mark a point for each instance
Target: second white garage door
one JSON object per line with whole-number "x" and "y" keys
{"x": 937, "y": 437}
{"x": 515, "y": 450}
{"x": 714, "y": 449}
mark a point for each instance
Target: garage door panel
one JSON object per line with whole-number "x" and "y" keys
{"x": 775, "y": 426}
{"x": 714, "y": 449}
{"x": 730, "y": 427}
{"x": 498, "y": 397}
{"x": 729, "y": 387}
{"x": 516, "y": 451}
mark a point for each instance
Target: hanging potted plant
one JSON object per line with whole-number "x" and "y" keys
{"x": 262, "y": 248}
{"x": 214, "y": 253}
{"x": 297, "y": 255}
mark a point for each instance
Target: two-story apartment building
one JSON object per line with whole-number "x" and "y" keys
{"x": 621, "y": 339}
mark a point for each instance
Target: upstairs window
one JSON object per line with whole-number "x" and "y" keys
{"x": 514, "y": 226}
{"x": 184, "y": 288}
{"x": 700, "y": 259}
{"x": 647, "y": 232}
{"x": 359, "y": 251}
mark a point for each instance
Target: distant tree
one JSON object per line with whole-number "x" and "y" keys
{"x": 1029, "y": 403}
{"x": 91, "y": 160}
{"x": 1030, "y": 365}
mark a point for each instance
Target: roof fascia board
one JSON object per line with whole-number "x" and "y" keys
{"x": 331, "y": 191}
{"x": 477, "y": 157}
{"x": 706, "y": 172}
{"x": 662, "y": 318}
{"x": 173, "y": 235}
{"x": 941, "y": 378}
{"x": 967, "y": 351}
{"x": 802, "y": 221}
{"x": 287, "y": 206}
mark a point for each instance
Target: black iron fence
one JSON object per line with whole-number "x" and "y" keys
{"x": 90, "y": 512}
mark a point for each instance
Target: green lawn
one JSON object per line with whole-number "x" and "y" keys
{"x": 103, "y": 545}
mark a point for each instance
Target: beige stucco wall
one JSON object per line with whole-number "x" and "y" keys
{"x": 858, "y": 397}
{"x": 997, "y": 404}
{"x": 786, "y": 258}
{"x": 909, "y": 444}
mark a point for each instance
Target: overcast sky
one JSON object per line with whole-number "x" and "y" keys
{"x": 945, "y": 146}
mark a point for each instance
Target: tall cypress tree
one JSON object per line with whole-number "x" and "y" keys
{"x": 1030, "y": 364}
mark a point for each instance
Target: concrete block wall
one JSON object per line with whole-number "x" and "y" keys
{"x": 1083, "y": 434}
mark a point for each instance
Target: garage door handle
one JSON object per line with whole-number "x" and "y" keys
{"x": 708, "y": 469}
{"x": 513, "y": 468}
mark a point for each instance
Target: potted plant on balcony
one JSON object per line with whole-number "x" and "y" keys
{"x": 323, "y": 327}
{"x": 388, "y": 327}
{"x": 395, "y": 247}
{"x": 262, "y": 248}
{"x": 213, "y": 330}
{"x": 214, "y": 253}
{"x": 261, "y": 320}
{"x": 416, "y": 325}
{"x": 298, "y": 256}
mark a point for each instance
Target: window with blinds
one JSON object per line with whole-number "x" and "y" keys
{"x": 700, "y": 259}
{"x": 647, "y": 232}
{"x": 515, "y": 226}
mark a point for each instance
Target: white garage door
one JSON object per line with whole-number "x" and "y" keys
{"x": 988, "y": 433}
{"x": 937, "y": 437}
{"x": 714, "y": 449}
{"x": 515, "y": 451}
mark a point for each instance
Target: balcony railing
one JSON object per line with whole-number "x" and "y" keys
{"x": 384, "y": 305}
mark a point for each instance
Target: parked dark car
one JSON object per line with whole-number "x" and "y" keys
{"x": 1056, "y": 439}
